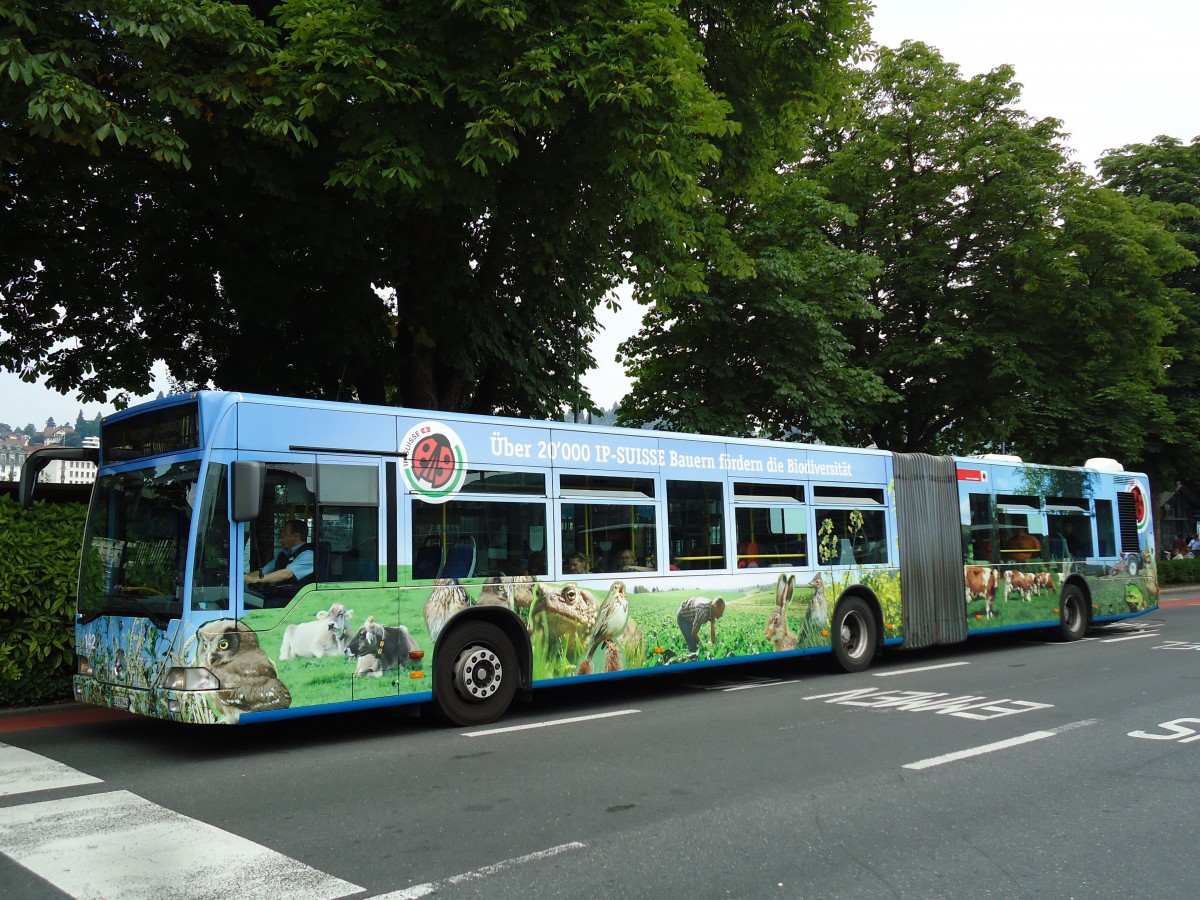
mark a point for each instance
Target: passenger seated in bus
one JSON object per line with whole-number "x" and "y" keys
{"x": 627, "y": 562}
{"x": 748, "y": 555}
{"x": 577, "y": 564}
{"x": 1020, "y": 541}
{"x": 291, "y": 569}
{"x": 537, "y": 563}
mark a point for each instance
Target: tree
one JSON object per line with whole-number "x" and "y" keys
{"x": 763, "y": 355}
{"x": 1013, "y": 301}
{"x": 1167, "y": 172}
{"x": 421, "y": 203}
{"x": 1019, "y": 303}
{"x": 1108, "y": 321}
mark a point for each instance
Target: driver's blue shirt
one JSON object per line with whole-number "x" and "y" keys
{"x": 301, "y": 565}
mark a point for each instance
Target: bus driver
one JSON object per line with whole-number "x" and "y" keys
{"x": 293, "y": 565}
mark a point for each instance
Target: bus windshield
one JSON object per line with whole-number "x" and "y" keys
{"x": 136, "y": 543}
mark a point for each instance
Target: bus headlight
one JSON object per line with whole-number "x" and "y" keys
{"x": 83, "y": 665}
{"x": 190, "y": 679}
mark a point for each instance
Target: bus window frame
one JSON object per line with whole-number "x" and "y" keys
{"x": 769, "y": 502}
{"x": 729, "y": 558}
{"x": 364, "y": 461}
{"x": 872, "y": 499}
{"x": 406, "y": 497}
{"x": 268, "y": 458}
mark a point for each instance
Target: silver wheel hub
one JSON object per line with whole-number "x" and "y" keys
{"x": 477, "y": 673}
{"x": 853, "y": 635}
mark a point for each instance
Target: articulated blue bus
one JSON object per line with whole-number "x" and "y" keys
{"x": 249, "y": 558}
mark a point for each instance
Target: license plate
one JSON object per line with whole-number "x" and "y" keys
{"x": 120, "y": 702}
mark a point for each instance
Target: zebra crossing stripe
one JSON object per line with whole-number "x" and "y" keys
{"x": 22, "y": 772}
{"x": 120, "y": 845}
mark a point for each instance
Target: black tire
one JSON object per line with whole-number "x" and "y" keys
{"x": 854, "y": 634}
{"x": 1072, "y": 614}
{"x": 475, "y": 674}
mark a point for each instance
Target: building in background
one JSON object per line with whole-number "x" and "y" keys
{"x": 12, "y": 455}
{"x": 71, "y": 471}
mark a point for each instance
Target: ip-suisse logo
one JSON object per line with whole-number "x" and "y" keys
{"x": 435, "y": 461}
{"x": 1140, "y": 507}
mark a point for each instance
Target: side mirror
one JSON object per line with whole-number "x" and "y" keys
{"x": 42, "y": 457}
{"x": 248, "y": 479}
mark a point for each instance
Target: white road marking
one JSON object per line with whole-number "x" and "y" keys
{"x": 978, "y": 751}
{"x": 747, "y": 687}
{"x": 551, "y": 723}
{"x": 22, "y": 772}
{"x": 920, "y": 669}
{"x": 120, "y": 845}
{"x": 1082, "y": 723}
{"x": 1132, "y": 637}
{"x": 739, "y": 684}
{"x": 997, "y": 745}
{"x": 432, "y": 887}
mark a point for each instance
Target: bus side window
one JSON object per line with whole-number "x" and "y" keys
{"x": 288, "y": 498}
{"x": 696, "y": 524}
{"x": 210, "y": 571}
{"x": 1106, "y": 533}
{"x": 607, "y": 523}
{"x": 468, "y": 538}
{"x": 348, "y": 532}
{"x": 851, "y": 525}
{"x": 981, "y": 539}
{"x": 771, "y": 536}
{"x": 1019, "y": 523}
{"x": 849, "y": 537}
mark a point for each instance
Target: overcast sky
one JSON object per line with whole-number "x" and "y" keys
{"x": 1115, "y": 73}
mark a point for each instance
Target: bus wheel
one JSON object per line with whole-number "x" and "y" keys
{"x": 474, "y": 674}
{"x": 855, "y": 634}
{"x": 1072, "y": 615}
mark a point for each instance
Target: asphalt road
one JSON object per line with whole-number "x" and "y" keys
{"x": 1005, "y": 767}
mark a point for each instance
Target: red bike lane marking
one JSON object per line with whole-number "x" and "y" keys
{"x": 1185, "y": 601}
{"x": 58, "y": 718}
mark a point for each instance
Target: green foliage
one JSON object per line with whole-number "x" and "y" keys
{"x": 1165, "y": 175}
{"x": 740, "y": 632}
{"x": 762, "y": 353}
{"x": 39, "y": 565}
{"x": 1179, "y": 571}
{"x": 36, "y": 686}
{"x": 885, "y": 585}
{"x": 931, "y": 274}
{"x": 463, "y": 182}
{"x": 1018, "y": 301}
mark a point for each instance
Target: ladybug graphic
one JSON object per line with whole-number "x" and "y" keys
{"x": 432, "y": 461}
{"x": 436, "y": 461}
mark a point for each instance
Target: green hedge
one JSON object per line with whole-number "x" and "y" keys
{"x": 1179, "y": 571}
{"x": 39, "y": 564}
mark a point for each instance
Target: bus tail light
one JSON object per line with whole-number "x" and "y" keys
{"x": 190, "y": 679}
{"x": 83, "y": 665}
